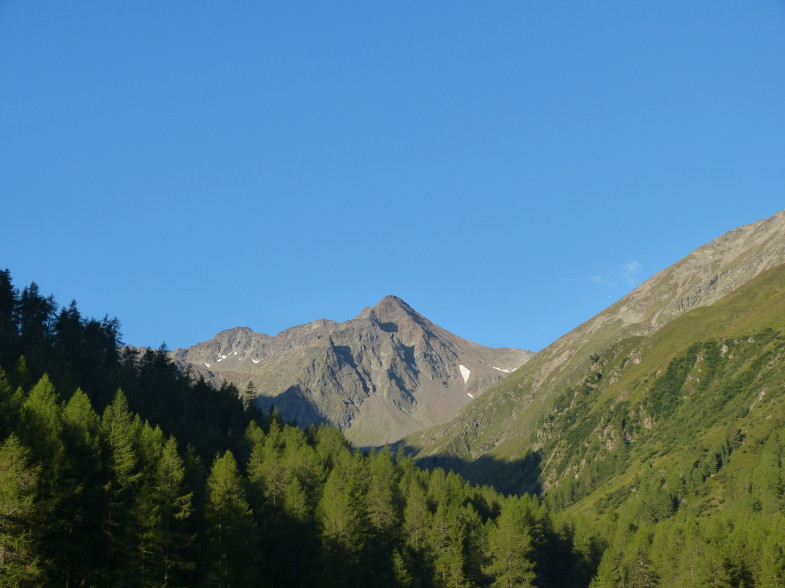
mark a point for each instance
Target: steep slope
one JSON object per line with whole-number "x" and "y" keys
{"x": 500, "y": 424}
{"x": 673, "y": 446}
{"x": 675, "y": 394}
{"x": 378, "y": 377}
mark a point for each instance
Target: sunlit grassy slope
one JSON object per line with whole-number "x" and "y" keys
{"x": 498, "y": 425}
{"x": 643, "y": 403}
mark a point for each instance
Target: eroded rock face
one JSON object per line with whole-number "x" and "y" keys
{"x": 380, "y": 376}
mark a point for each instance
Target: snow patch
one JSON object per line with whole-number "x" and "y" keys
{"x": 220, "y": 359}
{"x": 464, "y": 372}
{"x": 414, "y": 368}
{"x": 235, "y": 353}
{"x": 502, "y": 370}
{"x": 207, "y": 364}
{"x": 256, "y": 360}
{"x": 470, "y": 395}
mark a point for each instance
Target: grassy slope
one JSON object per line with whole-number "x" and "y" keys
{"x": 749, "y": 375}
{"x": 581, "y": 428}
{"x": 498, "y": 423}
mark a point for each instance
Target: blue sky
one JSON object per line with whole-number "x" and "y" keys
{"x": 508, "y": 168}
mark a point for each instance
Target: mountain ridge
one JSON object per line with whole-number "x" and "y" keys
{"x": 385, "y": 373}
{"x": 509, "y": 410}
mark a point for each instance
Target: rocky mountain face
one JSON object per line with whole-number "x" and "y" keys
{"x": 500, "y": 424}
{"x": 380, "y": 376}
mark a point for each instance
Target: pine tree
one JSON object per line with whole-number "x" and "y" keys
{"x": 10, "y": 406}
{"x": 249, "y": 394}
{"x": 510, "y": 548}
{"x": 42, "y": 428}
{"x": 608, "y": 574}
{"x": 119, "y": 430}
{"x": 19, "y": 565}
{"x": 772, "y": 555}
{"x": 36, "y": 315}
{"x": 446, "y": 542}
{"x": 76, "y": 554}
{"x": 341, "y": 510}
{"x": 230, "y": 524}
{"x": 163, "y": 510}
{"x": 381, "y": 499}
{"x": 8, "y": 326}
{"x": 295, "y": 501}
{"x": 416, "y": 517}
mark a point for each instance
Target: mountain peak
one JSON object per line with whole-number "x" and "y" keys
{"x": 392, "y": 309}
{"x": 391, "y": 302}
{"x": 378, "y": 377}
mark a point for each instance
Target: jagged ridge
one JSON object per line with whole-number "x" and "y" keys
{"x": 382, "y": 375}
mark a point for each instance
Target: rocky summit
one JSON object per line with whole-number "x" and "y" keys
{"x": 378, "y": 377}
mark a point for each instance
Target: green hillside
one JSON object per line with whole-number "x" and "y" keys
{"x": 498, "y": 424}
{"x": 658, "y": 459}
{"x": 675, "y": 439}
{"x": 118, "y": 469}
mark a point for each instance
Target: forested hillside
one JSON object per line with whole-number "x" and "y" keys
{"x": 670, "y": 449}
{"x": 117, "y": 470}
{"x": 662, "y": 464}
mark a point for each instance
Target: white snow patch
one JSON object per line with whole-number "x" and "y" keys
{"x": 502, "y": 370}
{"x": 235, "y": 353}
{"x": 220, "y": 359}
{"x": 470, "y": 395}
{"x": 464, "y": 372}
{"x": 207, "y": 364}
{"x": 256, "y": 360}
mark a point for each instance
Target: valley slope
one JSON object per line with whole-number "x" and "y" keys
{"x": 503, "y": 426}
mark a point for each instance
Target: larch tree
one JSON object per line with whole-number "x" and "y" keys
{"x": 163, "y": 510}
{"x": 19, "y": 565}
{"x": 510, "y": 548}
{"x": 230, "y": 526}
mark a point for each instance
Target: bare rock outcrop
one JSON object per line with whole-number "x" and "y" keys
{"x": 380, "y": 376}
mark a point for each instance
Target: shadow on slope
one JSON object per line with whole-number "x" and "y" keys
{"x": 294, "y": 406}
{"x": 520, "y": 476}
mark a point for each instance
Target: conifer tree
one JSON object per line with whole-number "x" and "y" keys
{"x": 295, "y": 501}
{"x": 230, "y": 528}
{"x": 446, "y": 541}
{"x": 341, "y": 510}
{"x": 163, "y": 510}
{"x": 416, "y": 517}
{"x": 76, "y": 554}
{"x": 8, "y": 327}
{"x": 19, "y": 564}
{"x": 510, "y": 548}
{"x": 772, "y": 555}
{"x": 608, "y": 574}
{"x": 249, "y": 394}
{"x": 382, "y": 501}
{"x": 119, "y": 430}
{"x": 10, "y": 406}
{"x": 42, "y": 427}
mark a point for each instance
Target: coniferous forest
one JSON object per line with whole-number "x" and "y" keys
{"x": 118, "y": 469}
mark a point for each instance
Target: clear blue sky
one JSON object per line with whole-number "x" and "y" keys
{"x": 508, "y": 168}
